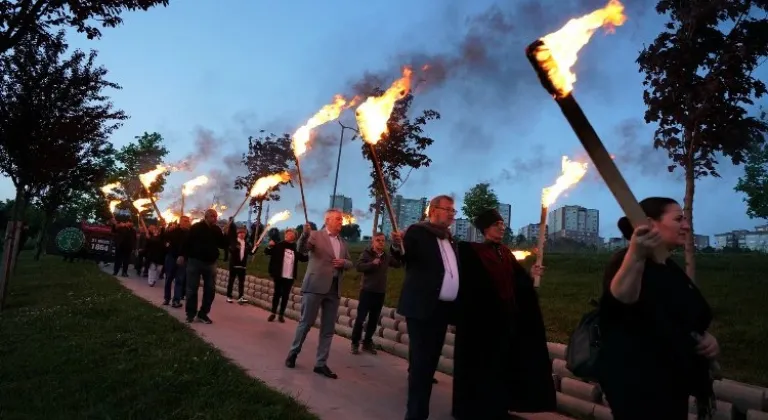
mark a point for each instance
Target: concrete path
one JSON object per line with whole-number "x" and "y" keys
{"x": 369, "y": 387}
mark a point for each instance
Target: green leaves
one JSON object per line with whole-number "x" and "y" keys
{"x": 754, "y": 183}
{"x": 479, "y": 198}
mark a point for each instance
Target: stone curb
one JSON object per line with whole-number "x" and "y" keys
{"x": 575, "y": 396}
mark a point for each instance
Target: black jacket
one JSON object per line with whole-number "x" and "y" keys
{"x": 175, "y": 238}
{"x": 234, "y": 254}
{"x": 276, "y": 254}
{"x": 375, "y": 275}
{"x": 203, "y": 243}
{"x": 155, "y": 249}
{"x": 424, "y": 272}
{"x": 125, "y": 238}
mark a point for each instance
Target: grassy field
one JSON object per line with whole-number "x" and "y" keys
{"x": 74, "y": 344}
{"x": 735, "y": 285}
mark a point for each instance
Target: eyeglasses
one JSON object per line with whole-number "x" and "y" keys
{"x": 447, "y": 210}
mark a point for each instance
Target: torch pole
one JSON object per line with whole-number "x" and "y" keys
{"x": 154, "y": 205}
{"x": 301, "y": 188}
{"x": 261, "y": 238}
{"x": 182, "y": 204}
{"x": 240, "y": 207}
{"x": 542, "y": 241}
{"x": 594, "y": 148}
{"x": 338, "y": 164}
{"x": 384, "y": 191}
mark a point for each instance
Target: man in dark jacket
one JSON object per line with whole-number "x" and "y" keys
{"x": 430, "y": 288}
{"x": 175, "y": 275}
{"x": 125, "y": 239}
{"x": 199, "y": 253}
{"x": 374, "y": 264}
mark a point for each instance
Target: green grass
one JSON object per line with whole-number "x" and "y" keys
{"x": 736, "y": 286}
{"x": 74, "y": 344}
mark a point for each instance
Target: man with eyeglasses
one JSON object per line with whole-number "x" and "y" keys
{"x": 430, "y": 289}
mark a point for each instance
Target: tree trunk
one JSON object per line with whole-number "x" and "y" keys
{"x": 690, "y": 250}
{"x": 11, "y": 242}
{"x": 43, "y": 235}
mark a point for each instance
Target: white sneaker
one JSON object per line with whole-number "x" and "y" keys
{"x": 242, "y": 300}
{"x": 229, "y": 300}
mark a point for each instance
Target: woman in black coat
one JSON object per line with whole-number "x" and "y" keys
{"x": 501, "y": 361}
{"x": 283, "y": 268}
{"x": 655, "y": 350}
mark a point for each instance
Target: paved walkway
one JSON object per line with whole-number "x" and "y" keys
{"x": 369, "y": 387}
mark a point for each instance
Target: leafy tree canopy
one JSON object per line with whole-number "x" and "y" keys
{"x": 138, "y": 157}
{"x": 478, "y": 199}
{"x": 754, "y": 183}
{"x": 268, "y": 154}
{"x": 23, "y": 18}
{"x": 351, "y": 232}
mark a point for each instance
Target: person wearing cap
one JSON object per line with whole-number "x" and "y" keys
{"x": 501, "y": 361}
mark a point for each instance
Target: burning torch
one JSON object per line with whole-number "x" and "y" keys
{"x": 279, "y": 217}
{"x": 572, "y": 173}
{"x": 301, "y": 137}
{"x": 147, "y": 179}
{"x": 108, "y": 190}
{"x": 188, "y": 188}
{"x": 552, "y": 58}
{"x": 372, "y": 118}
{"x": 262, "y": 186}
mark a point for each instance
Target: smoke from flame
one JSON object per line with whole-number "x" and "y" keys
{"x": 189, "y": 187}
{"x": 327, "y": 113}
{"x": 262, "y": 186}
{"x": 279, "y": 217}
{"x": 373, "y": 114}
{"x": 573, "y": 172}
{"x": 560, "y": 50}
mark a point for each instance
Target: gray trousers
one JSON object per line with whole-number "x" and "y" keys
{"x": 311, "y": 304}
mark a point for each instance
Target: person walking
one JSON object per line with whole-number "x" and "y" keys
{"x": 283, "y": 267}
{"x": 238, "y": 260}
{"x": 125, "y": 239}
{"x": 199, "y": 254}
{"x": 374, "y": 264}
{"x": 176, "y": 275}
{"x": 328, "y": 258}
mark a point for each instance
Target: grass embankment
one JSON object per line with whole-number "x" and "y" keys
{"x": 74, "y": 344}
{"x": 735, "y": 285}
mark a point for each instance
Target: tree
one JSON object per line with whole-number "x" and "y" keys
{"x": 699, "y": 83}
{"x": 754, "y": 183}
{"x": 401, "y": 147}
{"x": 300, "y": 228}
{"x": 137, "y": 158}
{"x": 268, "y": 154}
{"x": 509, "y": 236}
{"x": 521, "y": 240}
{"x": 479, "y": 199}
{"x": 53, "y": 113}
{"x": 351, "y": 232}
{"x": 23, "y": 18}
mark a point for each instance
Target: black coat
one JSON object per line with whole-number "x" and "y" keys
{"x": 276, "y": 254}
{"x": 154, "y": 249}
{"x": 234, "y": 254}
{"x": 424, "y": 272}
{"x": 501, "y": 361}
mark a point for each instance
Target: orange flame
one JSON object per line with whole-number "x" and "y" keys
{"x": 110, "y": 188}
{"x": 148, "y": 178}
{"x": 521, "y": 255}
{"x": 348, "y": 219}
{"x": 373, "y": 114}
{"x": 262, "y": 186}
{"x": 189, "y": 187}
{"x": 219, "y": 207}
{"x": 560, "y": 50}
{"x": 141, "y": 204}
{"x": 279, "y": 217}
{"x": 327, "y": 113}
{"x": 113, "y": 205}
{"x": 572, "y": 174}
{"x": 169, "y": 216}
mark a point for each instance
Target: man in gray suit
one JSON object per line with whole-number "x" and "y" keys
{"x": 328, "y": 258}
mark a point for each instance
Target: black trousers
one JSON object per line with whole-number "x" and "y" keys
{"x": 238, "y": 272}
{"x": 280, "y": 296}
{"x": 426, "y": 338}
{"x": 197, "y": 270}
{"x": 370, "y": 304}
{"x": 122, "y": 258}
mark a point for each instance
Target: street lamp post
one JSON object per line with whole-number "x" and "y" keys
{"x": 338, "y": 159}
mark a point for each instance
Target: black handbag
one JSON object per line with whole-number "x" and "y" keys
{"x": 583, "y": 350}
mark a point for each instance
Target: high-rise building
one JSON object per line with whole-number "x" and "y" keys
{"x": 701, "y": 241}
{"x": 460, "y": 229}
{"x": 407, "y": 212}
{"x": 576, "y": 223}
{"x": 342, "y": 203}
{"x": 506, "y": 213}
{"x": 530, "y": 232}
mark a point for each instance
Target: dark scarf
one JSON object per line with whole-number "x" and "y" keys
{"x": 442, "y": 232}
{"x": 497, "y": 259}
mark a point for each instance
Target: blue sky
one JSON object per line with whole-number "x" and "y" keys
{"x": 231, "y": 70}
